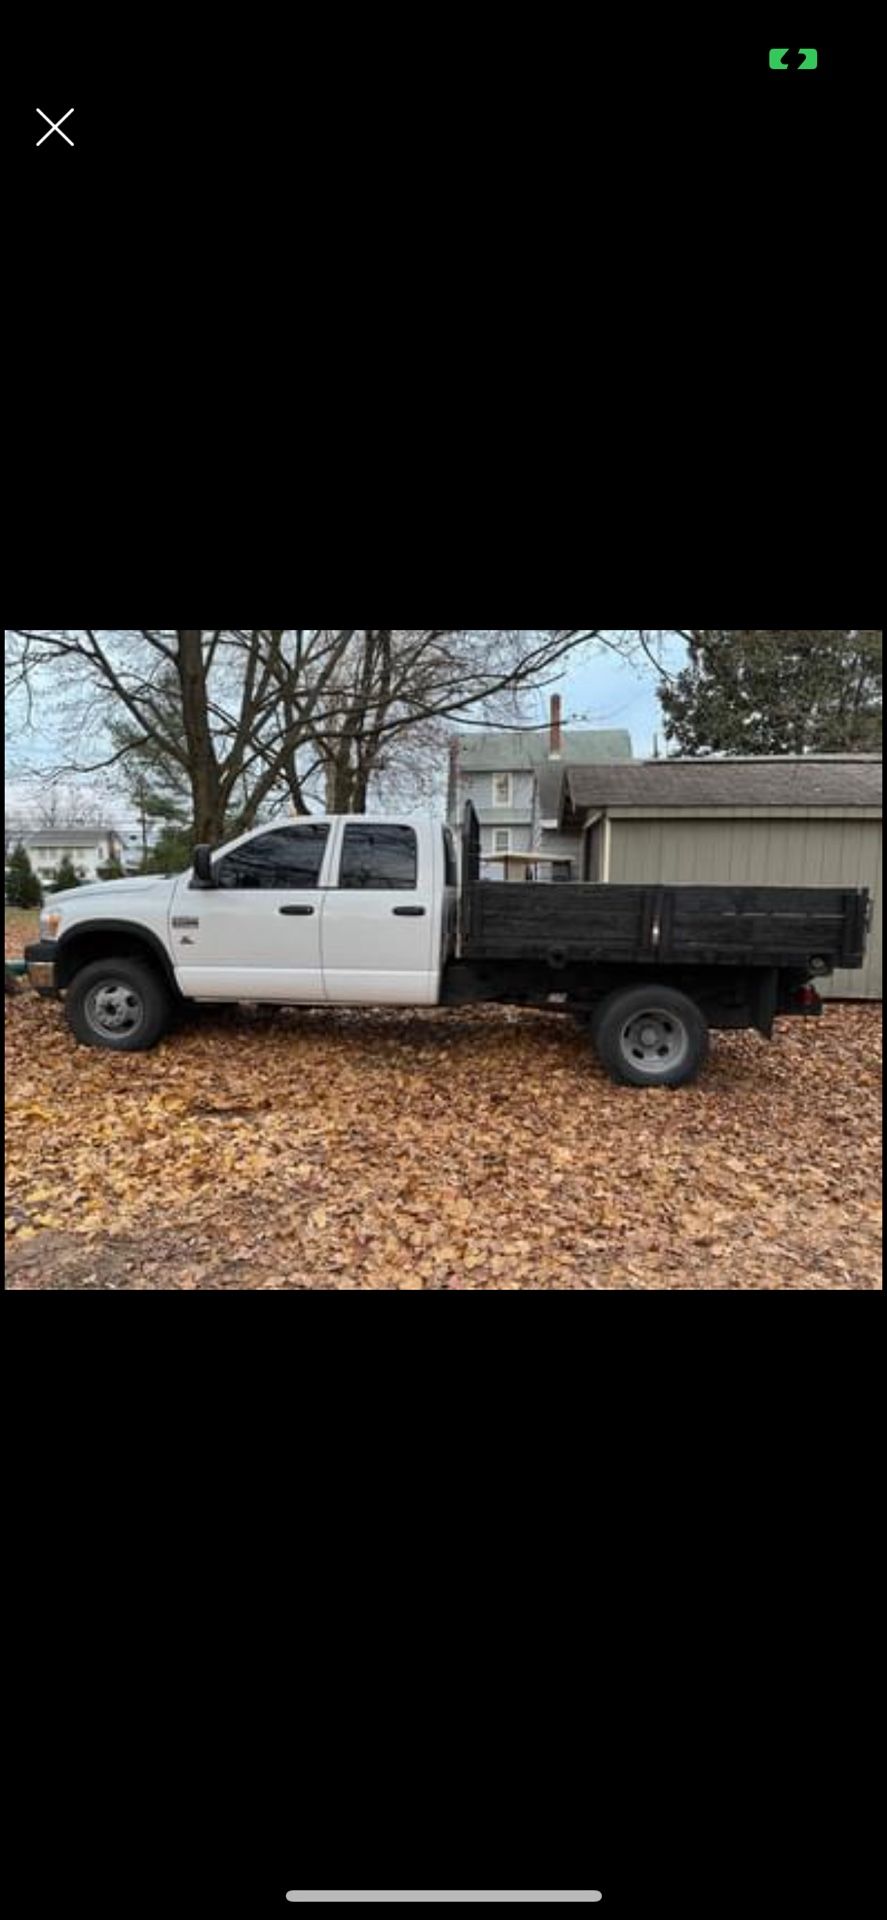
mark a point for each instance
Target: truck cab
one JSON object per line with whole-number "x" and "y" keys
{"x": 343, "y": 911}
{"x": 354, "y": 910}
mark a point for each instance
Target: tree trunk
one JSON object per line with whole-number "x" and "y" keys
{"x": 341, "y": 781}
{"x": 206, "y": 787}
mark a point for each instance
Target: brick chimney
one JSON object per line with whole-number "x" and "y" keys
{"x": 557, "y": 734}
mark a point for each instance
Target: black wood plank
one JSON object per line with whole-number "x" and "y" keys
{"x": 772, "y": 926}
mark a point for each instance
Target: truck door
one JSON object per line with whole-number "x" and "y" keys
{"x": 379, "y": 919}
{"x": 256, "y": 934}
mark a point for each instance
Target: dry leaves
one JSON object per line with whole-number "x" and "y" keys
{"x": 474, "y": 1150}
{"x": 22, "y": 925}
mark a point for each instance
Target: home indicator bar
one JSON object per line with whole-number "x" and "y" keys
{"x": 444, "y": 1896}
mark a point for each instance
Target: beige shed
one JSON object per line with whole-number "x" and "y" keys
{"x": 756, "y": 822}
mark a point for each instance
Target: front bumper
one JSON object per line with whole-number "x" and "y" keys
{"x": 40, "y": 961}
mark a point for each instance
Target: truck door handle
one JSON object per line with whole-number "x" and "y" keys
{"x": 301, "y": 912}
{"x": 408, "y": 913}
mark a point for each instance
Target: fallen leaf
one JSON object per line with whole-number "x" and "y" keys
{"x": 412, "y": 1150}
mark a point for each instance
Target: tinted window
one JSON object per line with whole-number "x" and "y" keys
{"x": 290, "y": 857}
{"x": 379, "y": 857}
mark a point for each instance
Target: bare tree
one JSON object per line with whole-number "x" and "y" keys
{"x": 60, "y": 806}
{"x": 396, "y": 694}
{"x": 217, "y": 704}
{"x": 250, "y": 714}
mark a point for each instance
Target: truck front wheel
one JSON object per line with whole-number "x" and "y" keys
{"x": 120, "y": 1004}
{"x": 651, "y": 1037}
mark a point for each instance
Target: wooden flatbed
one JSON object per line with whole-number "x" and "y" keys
{"x": 811, "y": 929}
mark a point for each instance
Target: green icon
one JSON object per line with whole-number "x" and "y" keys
{"x": 808, "y": 57}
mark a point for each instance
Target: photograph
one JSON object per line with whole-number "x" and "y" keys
{"x": 443, "y": 959}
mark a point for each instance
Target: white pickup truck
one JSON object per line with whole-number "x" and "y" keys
{"x": 360, "y": 911}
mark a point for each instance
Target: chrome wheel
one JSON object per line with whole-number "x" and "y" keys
{"x": 114, "y": 1008}
{"x": 655, "y": 1041}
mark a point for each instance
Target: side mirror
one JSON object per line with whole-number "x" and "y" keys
{"x": 203, "y": 867}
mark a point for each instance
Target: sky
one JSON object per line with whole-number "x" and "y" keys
{"x": 600, "y": 690}
{"x": 605, "y": 692}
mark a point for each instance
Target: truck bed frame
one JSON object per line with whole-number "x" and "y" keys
{"x": 811, "y": 930}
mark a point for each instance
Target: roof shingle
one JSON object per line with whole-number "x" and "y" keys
{"x": 512, "y": 752}
{"x": 827, "y": 782}
{"x": 67, "y": 837}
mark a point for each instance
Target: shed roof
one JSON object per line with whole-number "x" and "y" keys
{"x": 511, "y": 752}
{"x": 829, "y": 781}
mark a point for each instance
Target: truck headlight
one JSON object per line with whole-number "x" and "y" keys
{"x": 50, "y": 921}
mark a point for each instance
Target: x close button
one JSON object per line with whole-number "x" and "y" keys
{"x": 54, "y": 126}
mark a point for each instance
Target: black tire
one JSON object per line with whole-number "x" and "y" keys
{"x": 588, "y": 1019}
{"x": 122, "y": 1005}
{"x": 594, "y": 1020}
{"x": 651, "y": 1037}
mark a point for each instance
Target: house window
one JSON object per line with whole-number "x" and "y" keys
{"x": 502, "y": 840}
{"x": 562, "y": 870}
{"x": 503, "y": 789}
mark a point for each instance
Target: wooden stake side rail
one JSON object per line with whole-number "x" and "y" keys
{"x": 767, "y": 927}
{"x": 680, "y": 925}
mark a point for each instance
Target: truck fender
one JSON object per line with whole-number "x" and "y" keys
{"x": 85, "y": 932}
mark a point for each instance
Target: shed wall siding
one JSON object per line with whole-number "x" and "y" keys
{"x": 761, "y": 852}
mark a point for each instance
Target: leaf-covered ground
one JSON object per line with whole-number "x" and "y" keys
{"x": 478, "y": 1150}
{"x": 21, "y": 925}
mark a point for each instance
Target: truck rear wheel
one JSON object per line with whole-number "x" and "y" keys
{"x": 651, "y": 1037}
{"x": 119, "y": 1004}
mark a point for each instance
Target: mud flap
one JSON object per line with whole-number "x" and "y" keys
{"x": 765, "y": 1000}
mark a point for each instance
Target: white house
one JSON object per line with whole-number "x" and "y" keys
{"x": 88, "y": 849}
